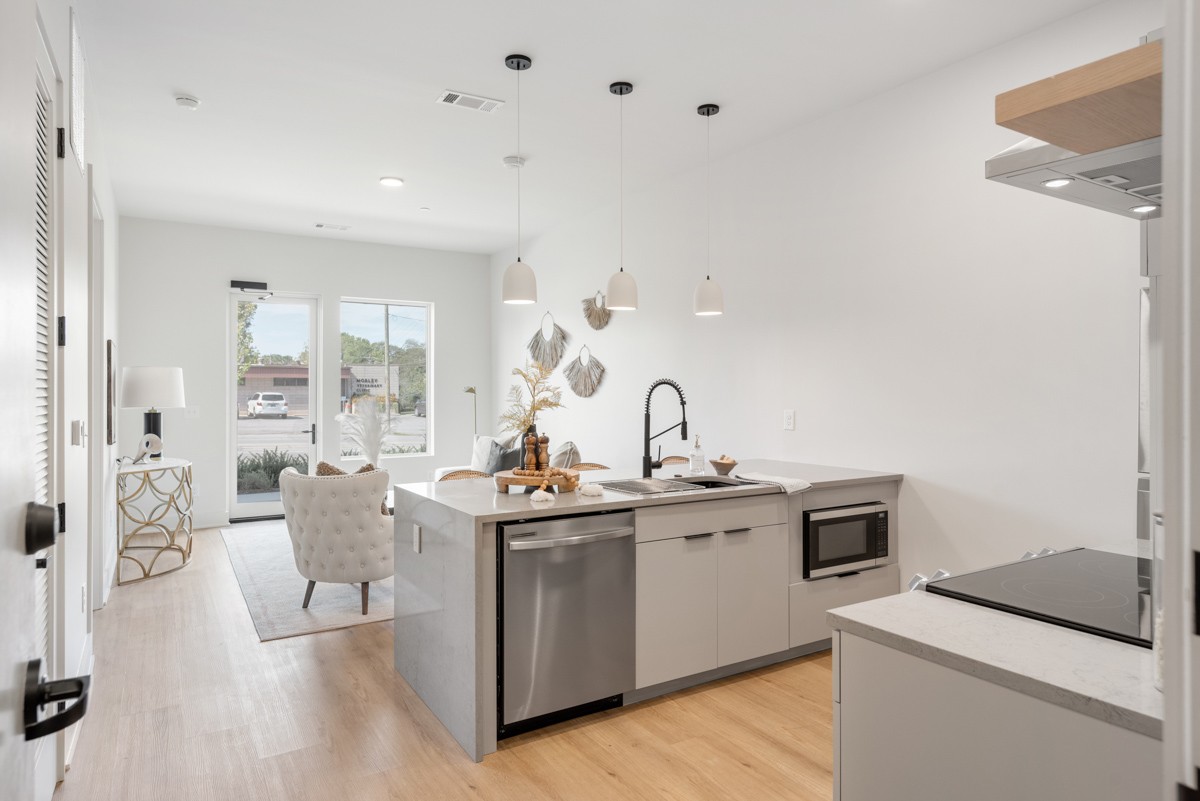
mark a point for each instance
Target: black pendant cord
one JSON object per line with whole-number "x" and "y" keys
{"x": 708, "y": 196}
{"x": 519, "y": 166}
{"x": 621, "y": 179}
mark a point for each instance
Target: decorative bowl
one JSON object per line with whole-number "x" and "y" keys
{"x": 722, "y": 468}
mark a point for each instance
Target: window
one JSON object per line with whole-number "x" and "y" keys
{"x": 290, "y": 382}
{"x": 385, "y": 360}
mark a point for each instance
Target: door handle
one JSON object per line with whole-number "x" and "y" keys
{"x": 312, "y": 430}
{"x": 38, "y": 693}
{"x": 562, "y": 542}
{"x": 41, "y": 525}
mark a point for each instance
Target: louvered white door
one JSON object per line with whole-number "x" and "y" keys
{"x": 44, "y": 348}
{"x": 46, "y": 754}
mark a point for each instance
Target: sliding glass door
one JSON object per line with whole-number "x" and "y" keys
{"x": 274, "y": 398}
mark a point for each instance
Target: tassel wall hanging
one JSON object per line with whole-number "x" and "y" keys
{"x": 596, "y": 313}
{"x": 548, "y": 349}
{"x": 584, "y": 377}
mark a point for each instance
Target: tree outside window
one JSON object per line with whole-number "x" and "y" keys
{"x": 385, "y": 361}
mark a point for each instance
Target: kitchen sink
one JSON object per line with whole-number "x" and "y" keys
{"x": 713, "y": 482}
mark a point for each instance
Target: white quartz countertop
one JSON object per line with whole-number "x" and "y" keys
{"x": 1102, "y": 678}
{"x": 478, "y": 497}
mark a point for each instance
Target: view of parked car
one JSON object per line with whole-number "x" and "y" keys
{"x": 261, "y": 404}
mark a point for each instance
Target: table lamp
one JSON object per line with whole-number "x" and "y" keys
{"x": 152, "y": 388}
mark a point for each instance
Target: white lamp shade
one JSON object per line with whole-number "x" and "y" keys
{"x": 152, "y": 388}
{"x": 622, "y": 292}
{"x": 709, "y": 300}
{"x": 520, "y": 284}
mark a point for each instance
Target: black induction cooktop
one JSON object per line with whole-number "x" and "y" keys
{"x": 1094, "y": 591}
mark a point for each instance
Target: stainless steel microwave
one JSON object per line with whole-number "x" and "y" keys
{"x": 845, "y": 539}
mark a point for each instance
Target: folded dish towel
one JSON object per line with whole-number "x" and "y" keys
{"x": 789, "y": 485}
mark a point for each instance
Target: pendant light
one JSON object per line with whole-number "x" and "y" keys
{"x": 709, "y": 300}
{"x": 622, "y": 289}
{"x": 520, "y": 284}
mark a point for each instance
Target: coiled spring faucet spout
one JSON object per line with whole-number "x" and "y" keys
{"x": 648, "y": 464}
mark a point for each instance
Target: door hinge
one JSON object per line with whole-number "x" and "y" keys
{"x": 62, "y": 332}
{"x": 1196, "y": 609}
{"x": 62, "y": 143}
{"x": 62, "y": 517}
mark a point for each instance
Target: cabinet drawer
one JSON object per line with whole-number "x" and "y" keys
{"x": 703, "y": 517}
{"x": 810, "y": 600}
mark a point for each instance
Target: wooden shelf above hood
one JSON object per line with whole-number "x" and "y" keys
{"x": 1108, "y": 103}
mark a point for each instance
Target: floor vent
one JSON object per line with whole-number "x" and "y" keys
{"x": 473, "y": 102}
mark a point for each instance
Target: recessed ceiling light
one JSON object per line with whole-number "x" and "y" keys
{"x": 391, "y": 181}
{"x": 1145, "y": 208}
{"x": 1057, "y": 183}
{"x": 188, "y": 102}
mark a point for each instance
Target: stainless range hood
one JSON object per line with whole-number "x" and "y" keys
{"x": 1117, "y": 180}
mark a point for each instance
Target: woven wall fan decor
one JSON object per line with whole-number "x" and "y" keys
{"x": 595, "y": 312}
{"x": 584, "y": 377}
{"x": 548, "y": 349}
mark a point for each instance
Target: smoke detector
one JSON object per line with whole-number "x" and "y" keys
{"x": 473, "y": 102}
{"x": 187, "y": 101}
{"x": 331, "y": 227}
{"x": 514, "y": 162}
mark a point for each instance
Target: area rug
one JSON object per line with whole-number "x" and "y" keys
{"x": 261, "y": 555}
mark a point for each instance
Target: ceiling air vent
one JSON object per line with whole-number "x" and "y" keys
{"x": 473, "y": 102}
{"x": 331, "y": 227}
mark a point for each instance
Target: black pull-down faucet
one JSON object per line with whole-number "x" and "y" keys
{"x": 649, "y": 464}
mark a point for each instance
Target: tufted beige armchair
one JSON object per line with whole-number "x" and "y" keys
{"x": 338, "y": 533}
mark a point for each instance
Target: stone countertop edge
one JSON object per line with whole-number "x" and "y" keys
{"x": 1104, "y": 679}
{"x": 478, "y": 497}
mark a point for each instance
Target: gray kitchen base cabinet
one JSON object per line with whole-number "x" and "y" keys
{"x": 710, "y": 600}
{"x": 676, "y": 608}
{"x": 907, "y": 729}
{"x": 752, "y": 593}
{"x": 810, "y": 600}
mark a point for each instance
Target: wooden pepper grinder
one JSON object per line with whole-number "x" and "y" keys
{"x": 531, "y": 459}
{"x": 543, "y": 460}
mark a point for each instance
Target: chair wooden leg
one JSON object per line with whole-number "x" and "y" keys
{"x": 365, "y": 586}
{"x": 308, "y": 594}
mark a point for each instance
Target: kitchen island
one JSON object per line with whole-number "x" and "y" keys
{"x": 935, "y": 697}
{"x": 446, "y": 639}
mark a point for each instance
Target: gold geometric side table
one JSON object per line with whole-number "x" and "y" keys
{"x": 154, "y": 517}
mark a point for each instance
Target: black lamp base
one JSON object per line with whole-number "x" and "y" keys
{"x": 152, "y": 423}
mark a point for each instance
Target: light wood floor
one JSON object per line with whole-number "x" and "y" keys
{"x": 188, "y": 704}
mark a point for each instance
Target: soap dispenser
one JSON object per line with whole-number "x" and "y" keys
{"x": 696, "y": 459}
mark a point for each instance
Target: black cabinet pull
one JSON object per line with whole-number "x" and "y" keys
{"x": 39, "y": 693}
{"x": 697, "y": 536}
{"x": 738, "y": 531}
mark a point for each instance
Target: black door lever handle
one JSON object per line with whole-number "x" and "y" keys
{"x": 38, "y": 693}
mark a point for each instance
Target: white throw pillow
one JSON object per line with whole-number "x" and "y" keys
{"x": 565, "y": 455}
{"x": 482, "y": 450}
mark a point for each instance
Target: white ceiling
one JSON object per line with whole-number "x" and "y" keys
{"x": 305, "y": 104}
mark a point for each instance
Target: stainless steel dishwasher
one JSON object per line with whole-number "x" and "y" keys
{"x": 566, "y": 625}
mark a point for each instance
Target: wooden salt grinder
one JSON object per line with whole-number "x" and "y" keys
{"x": 531, "y": 459}
{"x": 543, "y": 460}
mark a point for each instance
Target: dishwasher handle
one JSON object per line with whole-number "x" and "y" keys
{"x": 579, "y": 539}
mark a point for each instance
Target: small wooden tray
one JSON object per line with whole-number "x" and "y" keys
{"x": 506, "y": 478}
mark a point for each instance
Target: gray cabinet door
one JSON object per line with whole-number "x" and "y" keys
{"x": 676, "y": 608}
{"x": 752, "y": 593}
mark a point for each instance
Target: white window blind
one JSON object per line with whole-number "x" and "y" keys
{"x": 43, "y": 346}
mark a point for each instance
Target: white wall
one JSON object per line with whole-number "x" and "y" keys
{"x": 174, "y": 310}
{"x": 980, "y": 339}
